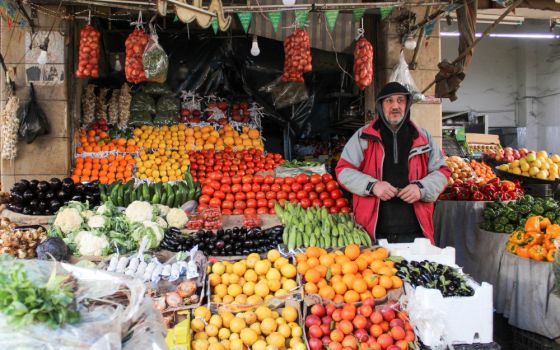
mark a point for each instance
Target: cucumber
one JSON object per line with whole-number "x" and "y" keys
{"x": 102, "y": 194}
{"x": 156, "y": 198}
{"x": 115, "y": 194}
{"x": 134, "y": 194}
{"x": 171, "y": 200}
{"x": 120, "y": 196}
{"x": 163, "y": 199}
{"x": 145, "y": 192}
{"x": 292, "y": 239}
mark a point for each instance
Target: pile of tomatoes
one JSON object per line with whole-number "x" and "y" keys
{"x": 364, "y": 327}
{"x": 257, "y": 194}
{"x": 229, "y": 162}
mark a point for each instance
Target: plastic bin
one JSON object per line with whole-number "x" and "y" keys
{"x": 421, "y": 249}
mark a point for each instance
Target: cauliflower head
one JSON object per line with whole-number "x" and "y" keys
{"x": 96, "y": 221}
{"x": 161, "y": 222}
{"x": 176, "y": 218}
{"x": 68, "y": 220}
{"x": 90, "y": 244}
{"x": 162, "y": 209}
{"x": 139, "y": 211}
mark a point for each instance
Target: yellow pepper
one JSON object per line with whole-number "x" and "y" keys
{"x": 553, "y": 231}
{"x": 533, "y": 224}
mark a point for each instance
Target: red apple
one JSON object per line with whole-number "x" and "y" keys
{"x": 312, "y": 320}
{"x": 318, "y": 310}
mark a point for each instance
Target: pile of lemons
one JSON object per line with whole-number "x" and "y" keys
{"x": 538, "y": 165}
{"x": 162, "y": 165}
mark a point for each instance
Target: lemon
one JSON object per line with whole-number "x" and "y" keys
{"x": 200, "y": 344}
{"x": 280, "y": 292}
{"x": 259, "y": 345}
{"x": 263, "y": 312}
{"x": 261, "y": 267}
{"x": 294, "y": 340}
{"x": 224, "y": 333}
{"x": 281, "y": 262}
{"x": 297, "y": 331}
{"x": 216, "y": 321}
{"x": 228, "y": 299}
{"x": 197, "y": 325}
{"x": 237, "y": 324}
{"x": 273, "y": 274}
{"x": 284, "y": 330}
{"x": 276, "y": 339}
{"x": 233, "y": 279}
{"x": 249, "y": 288}
{"x": 226, "y": 318}
{"x": 239, "y": 268}
{"x": 212, "y": 330}
{"x": 234, "y": 290}
{"x": 254, "y": 300}
{"x": 261, "y": 289}
{"x": 229, "y": 267}
{"x": 299, "y": 346}
{"x": 250, "y": 317}
{"x": 225, "y": 279}
{"x": 289, "y": 284}
{"x": 236, "y": 344}
{"x": 221, "y": 290}
{"x": 274, "y": 285}
{"x": 273, "y": 255}
{"x": 202, "y": 312}
{"x": 248, "y": 336}
{"x": 268, "y": 326}
{"x": 256, "y": 327}
{"x": 241, "y": 299}
{"x": 250, "y": 276}
{"x": 218, "y": 268}
{"x": 234, "y": 336}
{"x": 200, "y": 335}
{"x": 216, "y": 346}
{"x": 214, "y": 279}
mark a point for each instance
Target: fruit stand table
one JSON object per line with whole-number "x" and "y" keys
{"x": 524, "y": 295}
{"x": 489, "y": 249}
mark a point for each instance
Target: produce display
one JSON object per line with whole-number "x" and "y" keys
{"x": 162, "y": 165}
{"x": 104, "y": 230}
{"x": 247, "y": 162}
{"x": 51, "y": 302}
{"x": 315, "y": 227}
{"x": 536, "y": 165}
{"x": 448, "y": 280}
{"x": 472, "y": 190}
{"x": 263, "y": 328}
{"x": 46, "y": 197}
{"x": 252, "y": 280}
{"x": 297, "y": 56}
{"x": 88, "y": 53}
{"x": 537, "y": 241}
{"x": 350, "y": 275}
{"x": 483, "y": 171}
{"x": 228, "y": 242}
{"x": 104, "y": 170}
{"x": 171, "y": 195}
{"x": 20, "y": 242}
{"x": 507, "y": 154}
{"x": 346, "y": 326}
{"x": 363, "y": 63}
{"x": 460, "y": 170}
{"x": 135, "y": 45}
{"x": 507, "y": 217}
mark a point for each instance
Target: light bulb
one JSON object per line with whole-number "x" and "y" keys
{"x": 255, "y": 51}
{"x": 410, "y": 43}
{"x": 289, "y": 2}
{"x": 43, "y": 57}
{"x": 118, "y": 65}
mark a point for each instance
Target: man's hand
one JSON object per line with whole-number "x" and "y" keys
{"x": 410, "y": 193}
{"x": 384, "y": 190}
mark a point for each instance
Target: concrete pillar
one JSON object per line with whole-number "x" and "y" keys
{"x": 48, "y": 156}
{"x": 426, "y": 115}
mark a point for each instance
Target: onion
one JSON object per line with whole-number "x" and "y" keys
{"x": 173, "y": 299}
{"x": 186, "y": 289}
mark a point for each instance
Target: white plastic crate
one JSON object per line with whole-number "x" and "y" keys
{"x": 421, "y": 249}
{"x": 443, "y": 321}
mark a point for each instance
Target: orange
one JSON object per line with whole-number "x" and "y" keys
{"x": 322, "y": 283}
{"x": 312, "y": 261}
{"x": 349, "y": 268}
{"x": 385, "y": 282}
{"x": 339, "y": 298}
{"x": 390, "y": 264}
{"x": 359, "y": 285}
{"x": 314, "y": 252}
{"x": 376, "y": 265}
{"x": 336, "y": 269}
{"x": 326, "y": 260}
{"x": 301, "y": 257}
{"x": 362, "y": 263}
{"x": 339, "y": 287}
{"x": 348, "y": 280}
{"x": 327, "y": 292}
{"x": 397, "y": 282}
{"x": 311, "y": 288}
{"x": 313, "y": 276}
{"x": 351, "y": 296}
{"x": 372, "y": 280}
{"x": 380, "y": 253}
{"x": 366, "y": 295}
{"x": 302, "y": 267}
{"x": 378, "y": 292}
{"x": 322, "y": 270}
{"x": 352, "y": 251}
{"x": 385, "y": 271}
{"x": 341, "y": 259}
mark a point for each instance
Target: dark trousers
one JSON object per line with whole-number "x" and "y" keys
{"x": 399, "y": 237}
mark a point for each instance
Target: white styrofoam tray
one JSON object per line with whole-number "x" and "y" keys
{"x": 453, "y": 320}
{"x": 421, "y": 249}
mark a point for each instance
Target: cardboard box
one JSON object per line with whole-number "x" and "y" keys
{"x": 421, "y": 249}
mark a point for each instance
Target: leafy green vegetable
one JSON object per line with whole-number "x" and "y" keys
{"x": 25, "y": 303}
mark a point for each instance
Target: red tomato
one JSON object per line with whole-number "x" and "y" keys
{"x": 301, "y": 194}
{"x": 313, "y": 195}
{"x": 265, "y": 187}
{"x": 250, "y": 211}
{"x": 251, "y": 195}
{"x": 258, "y": 179}
{"x": 226, "y": 211}
{"x": 289, "y": 180}
{"x": 334, "y": 210}
{"x": 256, "y": 187}
{"x": 262, "y": 203}
{"x": 296, "y": 187}
{"x": 292, "y": 196}
{"x": 281, "y": 195}
{"x": 236, "y": 179}
{"x": 207, "y": 190}
{"x": 341, "y": 202}
{"x": 226, "y": 180}
{"x": 317, "y": 202}
{"x": 237, "y": 211}
{"x": 286, "y": 188}
{"x": 326, "y": 177}
{"x": 215, "y": 185}
{"x": 230, "y": 197}
{"x": 251, "y": 203}
{"x": 204, "y": 199}
{"x": 324, "y": 195}
{"x": 269, "y": 179}
{"x": 240, "y": 204}
{"x": 236, "y": 188}
{"x": 302, "y": 179}
{"x": 260, "y": 195}
{"x": 271, "y": 195}
{"x": 227, "y": 205}
{"x": 215, "y": 202}
{"x": 279, "y": 180}
{"x": 225, "y": 188}
{"x": 308, "y": 187}
{"x": 240, "y": 196}
{"x": 336, "y": 194}
{"x": 246, "y": 187}
{"x": 332, "y": 185}
{"x": 315, "y": 179}
{"x": 201, "y": 207}
{"x": 305, "y": 203}
{"x": 281, "y": 202}
{"x": 262, "y": 210}
{"x": 320, "y": 187}
{"x": 275, "y": 188}
{"x": 247, "y": 179}
{"x": 328, "y": 203}
{"x": 220, "y": 195}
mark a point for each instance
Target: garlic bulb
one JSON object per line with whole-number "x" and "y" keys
{"x": 114, "y": 108}
{"x": 101, "y": 106}
{"x": 88, "y": 104}
{"x": 10, "y": 126}
{"x": 124, "y": 106}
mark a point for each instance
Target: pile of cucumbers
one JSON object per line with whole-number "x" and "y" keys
{"x": 172, "y": 195}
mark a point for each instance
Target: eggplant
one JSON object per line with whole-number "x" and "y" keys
{"x": 89, "y": 198}
{"x": 79, "y": 188}
{"x": 36, "y": 212}
{"x": 24, "y": 183}
{"x": 55, "y": 184}
{"x": 49, "y": 195}
{"x": 77, "y": 198}
{"x": 55, "y": 205}
{"x": 19, "y": 188}
{"x": 43, "y": 186}
{"x": 40, "y": 195}
{"x": 220, "y": 244}
{"x": 67, "y": 182}
{"x": 42, "y": 206}
{"x": 62, "y": 195}
{"x": 33, "y": 203}
{"x": 27, "y": 211}
{"x": 33, "y": 185}
{"x": 16, "y": 197}
{"x": 28, "y": 195}
{"x": 15, "y": 207}
{"x": 92, "y": 186}
{"x": 236, "y": 230}
{"x": 48, "y": 211}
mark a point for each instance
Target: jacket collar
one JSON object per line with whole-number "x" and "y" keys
{"x": 373, "y": 133}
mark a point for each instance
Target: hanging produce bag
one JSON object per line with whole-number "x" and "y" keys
{"x": 401, "y": 74}
{"x": 142, "y": 107}
{"x": 363, "y": 63}
{"x": 168, "y": 108}
{"x": 155, "y": 61}
{"x": 33, "y": 121}
{"x": 88, "y": 54}
{"x": 297, "y": 56}
{"x": 135, "y": 46}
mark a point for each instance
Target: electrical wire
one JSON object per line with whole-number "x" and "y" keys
{"x": 334, "y": 49}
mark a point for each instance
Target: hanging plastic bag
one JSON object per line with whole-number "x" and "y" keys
{"x": 168, "y": 108}
{"x": 155, "y": 60}
{"x": 401, "y": 74}
{"x": 88, "y": 53}
{"x": 285, "y": 94}
{"x": 135, "y": 46}
{"x": 33, "y": 121}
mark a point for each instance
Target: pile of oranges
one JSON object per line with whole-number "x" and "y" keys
{"x": 181, "y": 138}
{"x": 347, "y": 276}
{"x": 106, "y": 170}
{"x": 99, "y": 141}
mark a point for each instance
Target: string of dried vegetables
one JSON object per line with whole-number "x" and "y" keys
{"x": 125, "y": 100}
{"x": 88, "y": 104}
{"x": 114, "y": 107}
{"x": 10, "y": 126}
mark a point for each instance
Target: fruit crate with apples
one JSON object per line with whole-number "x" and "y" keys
{"x": 437, "y": 316}
{"x": 421, "y": 249}
{"x": 478, "y": 144}
{"x": 525, "y": 340}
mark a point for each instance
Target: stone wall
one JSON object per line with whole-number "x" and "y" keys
{"x": 48, "y": 156}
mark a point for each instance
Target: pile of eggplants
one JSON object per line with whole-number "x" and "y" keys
{"x": 229, "y": 242}
{"x": 448, "y": 280}
{"x": 46, "y": 197}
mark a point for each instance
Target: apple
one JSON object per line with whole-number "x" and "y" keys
{"x": 396, "y": 323}
{"x": 312, "y": 320}
{"x": 318, "y": 310}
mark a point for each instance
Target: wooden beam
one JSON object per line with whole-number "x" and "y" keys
{"x": 547, "y": 5}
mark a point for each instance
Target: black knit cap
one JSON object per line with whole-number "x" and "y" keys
{"x": 393, "y": 88}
